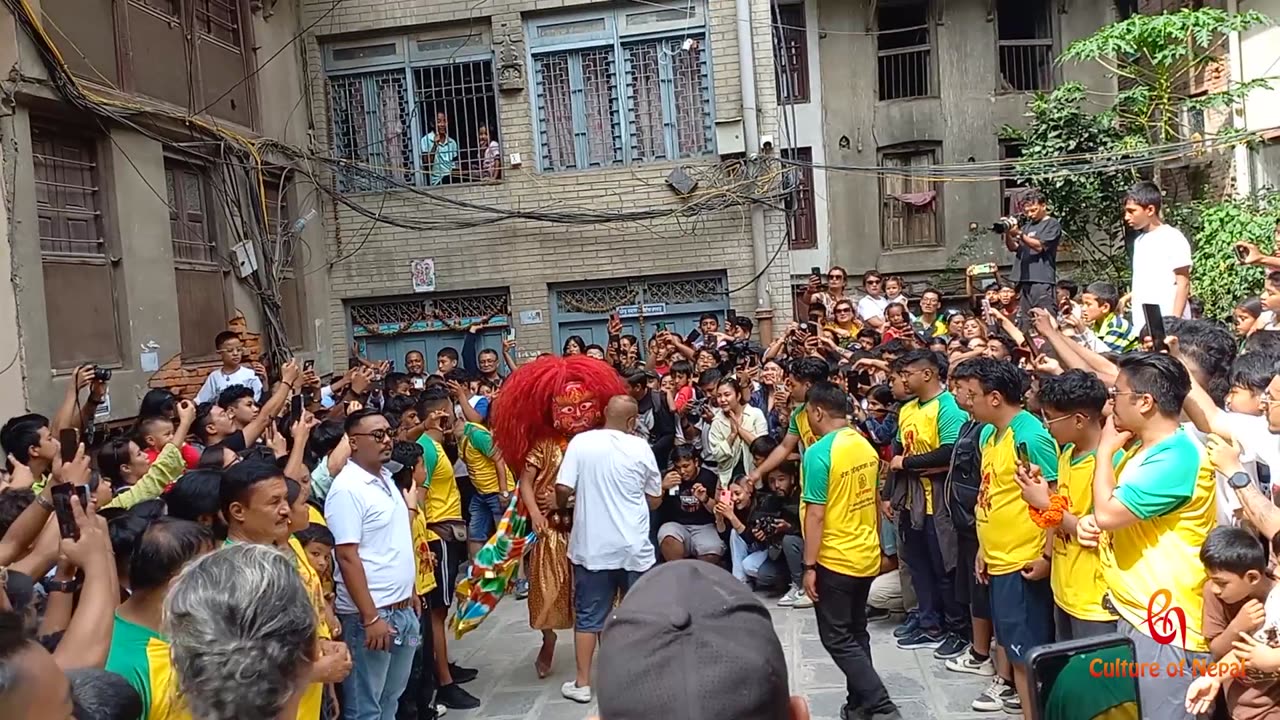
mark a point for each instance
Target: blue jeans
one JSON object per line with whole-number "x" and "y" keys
{"x": 486, "y": 512}
{"x": 372, "y": 690}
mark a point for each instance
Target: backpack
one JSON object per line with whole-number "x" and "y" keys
{"x": 965, "y": 478}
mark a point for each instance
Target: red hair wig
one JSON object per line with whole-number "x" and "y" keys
{"x": 522, "y": 416}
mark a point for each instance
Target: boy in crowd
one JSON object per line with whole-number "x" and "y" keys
{"x": 1235, "y": 600}
{"x": 232, "y": 372}
{"x": 842, "y": 546}
{"x": 1011, "y": 547}
{"x": 1106, "y": 330}
{"x": 1072, "y": 406}
{"x": 1157, "y": 504}
{"x": 928, "y": 425}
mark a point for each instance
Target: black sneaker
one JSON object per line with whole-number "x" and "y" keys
{"x": 877, "y": 613}
{"x": 455, "y": 698}
{"x": 921, "y": 640}
{"x": 462, "y": 675}
{"x": 908, "y": 626}
{"x": 952, "y": 646}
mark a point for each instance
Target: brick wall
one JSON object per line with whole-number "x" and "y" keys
{"x": 185, "y": 378}
{"x": 526, "y": 257}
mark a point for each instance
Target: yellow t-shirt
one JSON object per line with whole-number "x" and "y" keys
{"x": 444, "y": 502}
{"x": 1170, "y": 488}
{"x": 1009, "y": 538}
{"x": 1076, "y": 576}
{"x": 313, "y": 696}
{"x": 478, "y": 451}
{"x": 799, "y": 426}
{"x": 424, "y": 580}
{"x": 841, "y": 471}
{"x": 925, "y": 427}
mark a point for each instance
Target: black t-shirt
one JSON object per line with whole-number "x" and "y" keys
{"x": 235, "y": 442}
{"x": 1039, "y": 267}
{"x": 686, "y": 509}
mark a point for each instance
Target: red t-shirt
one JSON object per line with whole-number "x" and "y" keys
{"x": 189, "y": 454}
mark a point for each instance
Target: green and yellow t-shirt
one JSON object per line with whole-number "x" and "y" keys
{"x": 444, "y": 502}
{"x": 478, "y": 452}
{"x": 141, "y": 656}
{"x": 1076, "y": 576}
{"x": 799, "y": 426}
{"x": 313, "y": 696}
{"x": 925, "y": 427}
{"x": 424, "y": 580}
{"x": 1170, "y": 488}
{"x": 1089, "y": 688}
{"x": 840, "y": 472}
{"x": 1010, "y": 540}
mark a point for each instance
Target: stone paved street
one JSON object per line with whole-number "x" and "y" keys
{"x": 503, "y": 649}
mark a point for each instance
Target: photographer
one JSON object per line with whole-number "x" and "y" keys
{"x": 1035, "y": 248}
{"x": 657, "y": 424}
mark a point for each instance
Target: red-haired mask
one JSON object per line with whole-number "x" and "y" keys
{"x": 576, "y": 409}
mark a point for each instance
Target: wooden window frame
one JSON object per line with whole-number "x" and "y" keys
{"x": 1049, "y": 44}
{"x": 106, "y": 226}
{"x": 803, "y": 220}
{"x": 911, "y": 149}
{"x": 788, "y": 30}
{"x": 212, "y": 220}
{"x": 930, "y": 63}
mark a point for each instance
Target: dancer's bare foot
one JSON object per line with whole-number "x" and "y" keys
{"x": 546, "y": 654}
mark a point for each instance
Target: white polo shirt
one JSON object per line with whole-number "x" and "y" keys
{"x": 369, "y": 512}
{"x": 611, "y": 472}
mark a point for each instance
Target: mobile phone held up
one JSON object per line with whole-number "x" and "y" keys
{"x": 295, "y": 411}
{"x": 1242, "y": 253}
{"x": 63, "y": 495}
{"x": 1024, "y": 454}
{"x": 1155, "y": 326}
{"x": 69, "y": 442}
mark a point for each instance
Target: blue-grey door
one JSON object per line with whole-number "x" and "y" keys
{"x": 391, "y": 328}
{"x": 677, "y": 301}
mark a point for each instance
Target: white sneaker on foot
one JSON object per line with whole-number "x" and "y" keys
{"x": 967, "y": 663}
{"x": 802, "y": 601}
{"x": 441, "y": 711}
{"x": 788, "y": 598}
{"x": 992, "y": 699}
{"x": 577, "y": 694}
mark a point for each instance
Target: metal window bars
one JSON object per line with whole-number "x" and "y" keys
{"x": 1024, "y": 45}
{"x": 904, "y": 49}
{"x": 668, "y": 99}
{"x": 789, "y": 39}
{"x": 371, "y": 127}
{"x": 220, "y": 20}
{"x": 67, "y": 194}
{"x": 577, "y": 108}
{"x": 463, "y": 95}
{"x": 406, "y": 314}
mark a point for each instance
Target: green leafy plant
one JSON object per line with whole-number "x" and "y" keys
{"x": 1217, "y": 280}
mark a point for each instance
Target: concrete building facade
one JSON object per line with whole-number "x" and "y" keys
{"x": 119, "y": 243}
{"x": 588, "y": 107}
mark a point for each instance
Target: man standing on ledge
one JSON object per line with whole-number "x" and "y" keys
{"x": 1035, "y": 250}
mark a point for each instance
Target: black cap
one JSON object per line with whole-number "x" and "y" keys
{"x": 691, "y": 642}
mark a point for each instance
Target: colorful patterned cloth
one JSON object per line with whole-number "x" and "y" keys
{"x": 493, "y": 572}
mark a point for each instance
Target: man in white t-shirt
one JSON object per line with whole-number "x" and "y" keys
{"x": 613, "y": 478}
{"x": 1161, "y": 257}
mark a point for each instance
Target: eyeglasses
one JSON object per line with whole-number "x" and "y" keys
{"x": 1045, "y": 419}
{"x": 378, "y": 435}
{"x": 1266, "y": 399}
{"x": 843, "y": 310}
{"x": 1114, "y": 393}
{"x": 835, "y": 276}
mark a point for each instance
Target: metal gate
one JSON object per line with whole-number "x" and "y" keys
{"x": 388, "y": 329}
{"x": 583, "y": 309}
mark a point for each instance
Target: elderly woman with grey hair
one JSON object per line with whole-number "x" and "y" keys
{"x": 242, "y": 634}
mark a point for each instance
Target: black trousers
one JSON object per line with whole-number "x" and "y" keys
{"x": 841, "y": 608}
{"x": 418, "y": 701}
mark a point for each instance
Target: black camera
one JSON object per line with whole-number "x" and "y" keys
{"x": 1005, "y": 224}
{"x": 101, "y": 374}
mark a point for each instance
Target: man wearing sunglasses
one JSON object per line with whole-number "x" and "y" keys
{"x": 376, "y": 568}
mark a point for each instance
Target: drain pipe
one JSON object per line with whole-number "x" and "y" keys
{"x": 751, "y": 139}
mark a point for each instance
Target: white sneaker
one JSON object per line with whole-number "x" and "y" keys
{"x": 967, "y": 663}
{"x": 802, "y": 601}
{"x": 789, "y": 598}
{"x": 992, "y": 699}
{"x": 577, "y": 694}
{"x": 441, "y": 711}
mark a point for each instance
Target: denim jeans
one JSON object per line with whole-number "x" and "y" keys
{"x": 372, "y": 690}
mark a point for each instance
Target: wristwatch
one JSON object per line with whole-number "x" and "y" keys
{"x": 810, "y": 567}
{"x": 62, "y": 586}
{"x": 1240, "y": 480}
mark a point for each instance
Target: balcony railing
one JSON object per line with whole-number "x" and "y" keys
{"x": 904, "y": 72}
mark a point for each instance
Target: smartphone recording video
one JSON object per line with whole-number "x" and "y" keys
{"x": 69, "y": 439}
{"x": 1085, "y": 679}
{"x": 1155, "y": 326}
{"x": 63, "y": 495}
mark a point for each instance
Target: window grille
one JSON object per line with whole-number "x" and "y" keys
{"x": 219, "y": 19}
{"x": 791, "y": 52}
{"x": 464, "y": 92}
{"x": 189, "y": 229}
{"x": 67, "y": 194}
{"x": 372, "y": 128}
{"x": 904, "y": 49}
{"x": 685, "y": 291}
{"x": 801, "y": 211}
{"x": 1025, "y": 45}
{"x": 578, "y": 109}
{"x": 429, "y": 314}
{"x": 1011, "y": 188}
